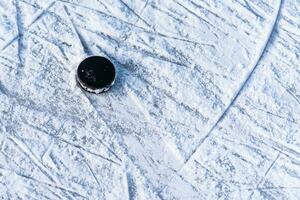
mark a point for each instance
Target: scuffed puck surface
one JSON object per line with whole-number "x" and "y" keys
{"x": 206, "y": 103}
{"x": 96, "y": 74}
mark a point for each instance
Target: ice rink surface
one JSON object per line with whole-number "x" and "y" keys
{"x": 206, "y": 103}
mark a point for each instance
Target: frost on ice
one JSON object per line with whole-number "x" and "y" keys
{"x": 206, "y": 103}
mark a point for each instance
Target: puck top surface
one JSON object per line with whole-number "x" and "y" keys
{"x": 96, "y": 73}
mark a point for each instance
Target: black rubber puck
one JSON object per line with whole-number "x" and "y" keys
{"x": 96, "y": 74}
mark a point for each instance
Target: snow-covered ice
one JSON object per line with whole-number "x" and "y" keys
{"x": 206, "y": 103}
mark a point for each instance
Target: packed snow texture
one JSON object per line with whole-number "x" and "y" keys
{"x": 206, "y": 103}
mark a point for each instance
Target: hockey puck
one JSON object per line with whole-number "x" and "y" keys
{"x": 96, "y": 74}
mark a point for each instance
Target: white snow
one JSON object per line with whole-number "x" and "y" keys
{"x": 206, "y": 103}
